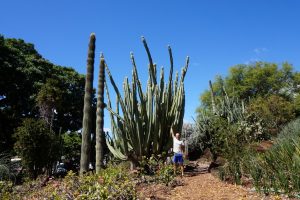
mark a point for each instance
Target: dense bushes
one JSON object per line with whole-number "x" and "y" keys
{"x": 37, "y": 145}
{"x": 112, "y": 183}
{"x": 277, "y": 170}
{"x": 275, "y": 111}
{"x": 156, "y": 169}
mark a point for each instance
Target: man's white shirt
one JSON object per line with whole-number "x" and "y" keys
{"x": 177, "y": 145}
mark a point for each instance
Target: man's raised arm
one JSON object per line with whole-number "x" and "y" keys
{"x": 172, "y": 132}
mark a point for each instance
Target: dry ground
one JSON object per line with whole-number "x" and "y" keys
{"x": 201, "y": 186}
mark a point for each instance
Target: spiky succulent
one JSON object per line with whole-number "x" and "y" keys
{"x": 142, "y": 126}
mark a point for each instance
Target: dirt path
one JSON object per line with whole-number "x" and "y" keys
{"x": 202, "y": 186}
{"x": 206, "y": 187}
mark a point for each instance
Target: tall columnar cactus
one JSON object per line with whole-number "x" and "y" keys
{"x": 100, "y": 117}
{"x": 87, "y": 109}
{"x": 143, "y": 126}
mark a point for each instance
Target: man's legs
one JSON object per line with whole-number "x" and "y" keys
{"x": 181, "y": 168}
{"x": 178, "y": 160}
{"x": 175, "y": 161}
{"x": 175, "y": 168}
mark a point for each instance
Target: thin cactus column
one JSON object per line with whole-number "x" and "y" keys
{"x": 100, "y": 117}
{"x": 87, "y": 109}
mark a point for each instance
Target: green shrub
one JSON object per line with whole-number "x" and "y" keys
{"x": 165, "y": 174}
{"x": 277, "y": 170}
{"x": 156, "y": 168}
{"x": 5, "y": 189}
{"x": 37, "y": 145}
{"x": 112, "y": 183}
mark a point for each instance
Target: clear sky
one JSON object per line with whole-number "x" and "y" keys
{"x": 216, "y": 34}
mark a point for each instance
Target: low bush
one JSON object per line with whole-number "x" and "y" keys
{"x": 5, "y": 190}
{"x": 112, "y": 183}
{"x": 157, "y": 169}
{"x": 277, "y": 170}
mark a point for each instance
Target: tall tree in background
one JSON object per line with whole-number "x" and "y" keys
{"x": 100, "y": 117}
{"x": 48, "y": 100}
{"x": 87, "y": 110}
{"x": 270, "y": 91}
{"x": 37, "y": 145}
{"x": 260, "y": 79}
{"x": 29, "y": 82}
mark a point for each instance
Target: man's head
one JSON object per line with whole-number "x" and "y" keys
{"x": 177, "y": 135}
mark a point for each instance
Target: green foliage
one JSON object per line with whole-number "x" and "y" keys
{"x": 5, "y": 170}
{"x": 259, "y": 79}
{"x": 5, "y": 190}
{"x": 142, "y": 127}
{"x": 111, "y": 183}
{"x": 71, "y": 145}
{"x": 274, "y": 110}
{"x": 25, "y": 76}
{"x": 48, "y": 99}
{"x": 228, "y": 130}
{"x": 269, "y": 93}
{"x": 277, "y": 170}
{"x": 37, "y": 145}
{"x": 226, "y": 125}
{"x": 156, "y": 168}
{"x": 165, "y": 174}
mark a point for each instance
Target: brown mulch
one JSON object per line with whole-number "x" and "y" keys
{"x": 200, "y": 186}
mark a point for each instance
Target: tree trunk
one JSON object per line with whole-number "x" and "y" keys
{"x": 87, "y": 110}
{"x": 100, "y": 117}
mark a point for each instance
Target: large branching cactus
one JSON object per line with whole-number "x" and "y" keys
{"x": 142, "y": 120}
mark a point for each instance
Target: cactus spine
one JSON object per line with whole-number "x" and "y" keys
{"x": 100, "y": 117}
{"x": 143, "y": 126}
{"x": 87, "y": 109}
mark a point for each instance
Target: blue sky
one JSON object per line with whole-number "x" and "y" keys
{"x": 216, "y": 34}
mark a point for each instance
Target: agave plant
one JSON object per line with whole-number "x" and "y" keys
{"x": 142, "y": 126}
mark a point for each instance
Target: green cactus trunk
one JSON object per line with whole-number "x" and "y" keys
{"x": 100, "y": 117}
{"x": 144, "y": 127}
{"x": 87, "y": 110}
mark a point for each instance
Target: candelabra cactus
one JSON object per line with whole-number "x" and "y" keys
{"x": 143, "y": 126}
{"x": 87, "y": 109}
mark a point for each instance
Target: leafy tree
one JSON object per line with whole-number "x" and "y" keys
{"x": 28, "y": 83}
{"x": 48, "y": 99}
{"x": 274, "y": 110}
{"x": 37, "y": 145}
{"x": 260, "y": 79}
{"x": 71, "y": 145}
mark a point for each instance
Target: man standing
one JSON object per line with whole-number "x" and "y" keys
{"x": 178, "y": 149}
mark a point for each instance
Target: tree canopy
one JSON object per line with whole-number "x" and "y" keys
{"x": 33, "y": 87}
{"x": 260, "y": 79}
